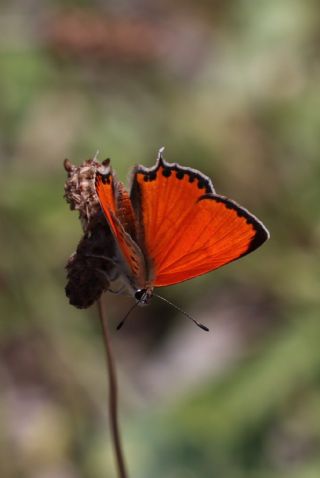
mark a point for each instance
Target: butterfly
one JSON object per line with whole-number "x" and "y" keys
{"x": 171, "y": 226}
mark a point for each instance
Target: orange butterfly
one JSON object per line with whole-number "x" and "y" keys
{"x": 172, "y": 226}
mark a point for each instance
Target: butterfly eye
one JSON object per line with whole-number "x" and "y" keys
{"x": 143, "y": 296}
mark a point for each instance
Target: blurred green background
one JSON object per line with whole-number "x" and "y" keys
{"x": 230, "y": 88}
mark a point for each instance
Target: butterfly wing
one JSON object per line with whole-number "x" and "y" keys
{"x": 188, "y": 230}
{"x": 116, "y": 205}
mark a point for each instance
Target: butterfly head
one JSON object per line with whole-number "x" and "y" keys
{"x": 144, "y": 296}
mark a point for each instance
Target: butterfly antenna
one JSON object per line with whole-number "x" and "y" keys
{"x": 203, "y": 327}
{"x": 126, "y": 316}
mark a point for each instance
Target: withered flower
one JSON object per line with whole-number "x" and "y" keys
{"x": 90, "y": 269}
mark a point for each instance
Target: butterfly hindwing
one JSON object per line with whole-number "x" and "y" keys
{"x": 219, "y": 232}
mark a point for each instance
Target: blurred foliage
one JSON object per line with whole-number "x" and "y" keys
{"x": 230, "y": 88}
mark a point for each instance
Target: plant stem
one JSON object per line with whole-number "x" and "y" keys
{"x": 113, "y": 394}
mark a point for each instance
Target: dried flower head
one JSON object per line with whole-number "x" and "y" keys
{"x": 91, "y": 268}
{"x": 80, "y": 190}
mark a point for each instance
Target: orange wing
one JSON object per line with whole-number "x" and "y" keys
{"x": 105, "y": 188}
{"x": 116, "y": 205}
{"x": 188, "y": 230}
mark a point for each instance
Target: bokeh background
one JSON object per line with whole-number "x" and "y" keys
{"x": 230, "y": 88}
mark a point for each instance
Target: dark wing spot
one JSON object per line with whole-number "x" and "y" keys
{"x": 201, "y": 183}
{"x": 105, "y": 178}
{"x": 179, "y": 174}
{"x": 166, "y": 172}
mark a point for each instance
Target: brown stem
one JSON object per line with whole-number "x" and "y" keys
{"x": 113, "y": 395}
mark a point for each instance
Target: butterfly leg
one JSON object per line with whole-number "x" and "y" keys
{"x": 120, "y": 290}
{"x": 110, "y": 276}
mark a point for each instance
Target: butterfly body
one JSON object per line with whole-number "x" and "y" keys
{"x": 172, "y": 226}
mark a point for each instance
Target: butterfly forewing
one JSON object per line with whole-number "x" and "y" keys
{"x": 117, "y": 208}
{"x": 163, "y": 197}
{"x": 187, "y": 229}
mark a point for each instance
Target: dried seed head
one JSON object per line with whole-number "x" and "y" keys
{"x": 91, "y": 268}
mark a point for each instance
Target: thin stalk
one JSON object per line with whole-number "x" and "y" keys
{"x": 113, "y": 394}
